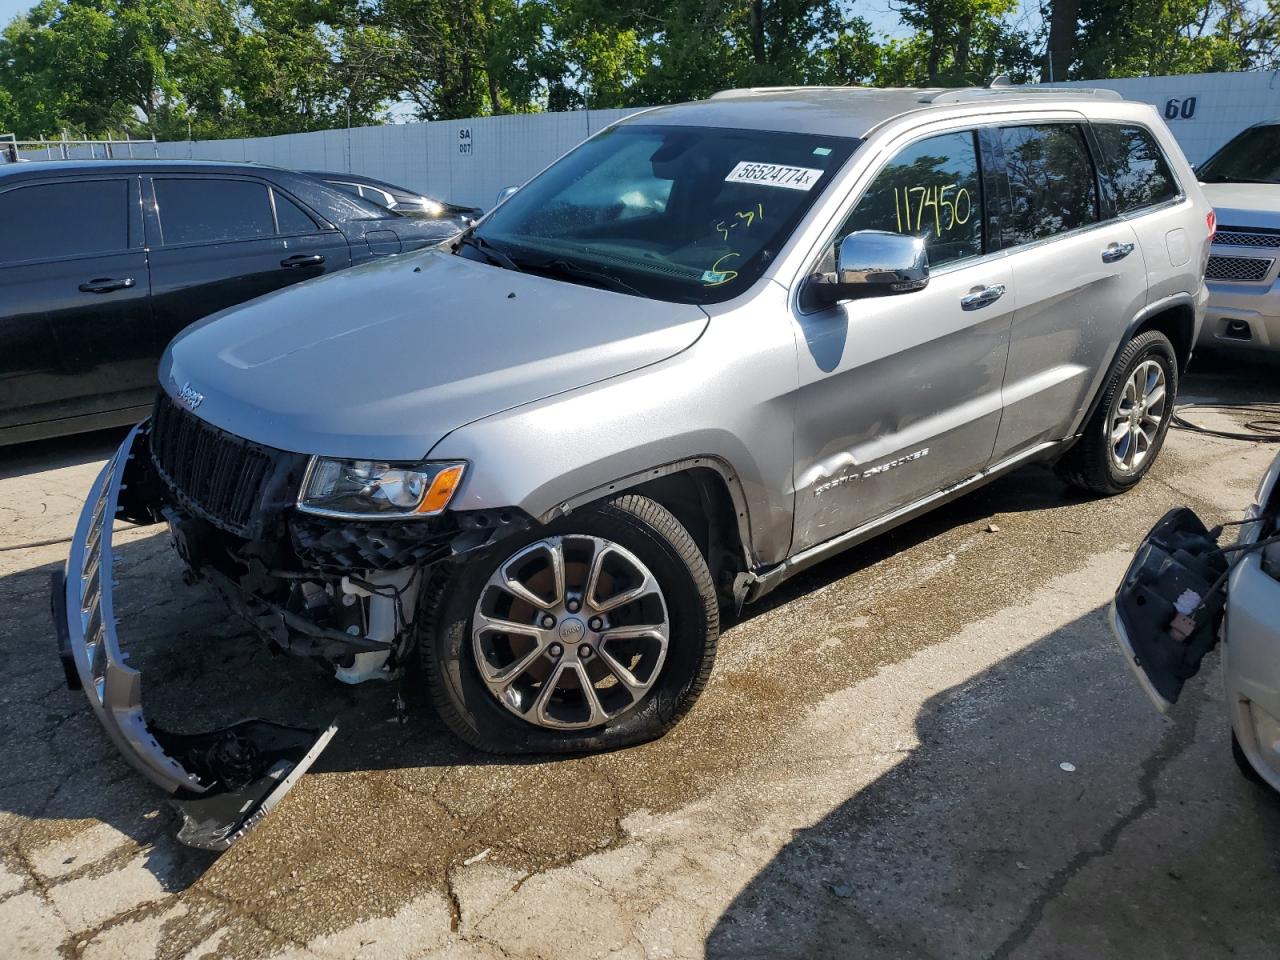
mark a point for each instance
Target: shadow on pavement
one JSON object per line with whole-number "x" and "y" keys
{"x": 978, "y": 844}
{"x": 39, "y": 455}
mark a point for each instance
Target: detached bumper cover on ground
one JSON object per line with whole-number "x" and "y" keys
{"x": 1183, "y": 593}
{"x": 224, "y": 781}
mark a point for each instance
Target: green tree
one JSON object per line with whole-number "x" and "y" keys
{"x": 967, "y": 41}
{"x": 1151, "y": 37}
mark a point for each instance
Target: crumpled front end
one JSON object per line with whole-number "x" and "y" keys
{"x": 341, "y": 591}
{"x": 224, "y": 781}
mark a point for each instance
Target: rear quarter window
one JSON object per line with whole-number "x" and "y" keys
{"x": 1135, "y": 166}
{"x": 290, "y": 216}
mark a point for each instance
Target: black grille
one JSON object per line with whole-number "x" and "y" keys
{"x": 1247, "y": 237}
{"x": 218, "y": 475}
{"x": 1237, "y": 268}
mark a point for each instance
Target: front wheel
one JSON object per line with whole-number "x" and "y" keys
{"x": 594, "y": 632}
{"x": 1123, "y": 437}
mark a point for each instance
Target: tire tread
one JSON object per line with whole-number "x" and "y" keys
{"x": 1087, "y": 464}
{"x": 648, "y": 518}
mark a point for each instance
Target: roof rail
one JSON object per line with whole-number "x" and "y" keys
{"x": 748, "y": 91}
{"x": 1002, "y": 92}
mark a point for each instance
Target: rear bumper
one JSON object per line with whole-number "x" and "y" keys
{"x": 224, "y": 781}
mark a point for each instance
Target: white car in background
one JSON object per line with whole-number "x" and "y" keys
{"x": 1242, "y": 181}
{"x": 1183, "y": 594}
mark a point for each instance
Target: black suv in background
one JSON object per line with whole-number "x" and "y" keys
{"x": 103, "y": 262}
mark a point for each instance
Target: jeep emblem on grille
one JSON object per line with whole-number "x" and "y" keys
{"x": 190, "y": 395}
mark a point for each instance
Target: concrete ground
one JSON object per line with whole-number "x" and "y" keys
{"x": 926, "y": 747}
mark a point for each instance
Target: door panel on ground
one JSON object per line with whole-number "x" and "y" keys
{"x": 1168, "y": 608}
{"x": 223, "y": 241}
{"x": 75, "y": 322}
{"x": 899, "y": 396}
{"x": 1079, "y": 283}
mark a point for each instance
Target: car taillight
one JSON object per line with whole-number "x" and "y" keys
{"x": 1211, "y": 221}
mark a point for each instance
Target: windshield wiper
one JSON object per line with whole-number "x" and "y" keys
{"x": 489, "y": 251}
{"x": 570, "y": 270}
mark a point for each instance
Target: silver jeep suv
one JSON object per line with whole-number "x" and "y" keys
{"x": 711, "y": 346}
{"x": 1242, "y": 181}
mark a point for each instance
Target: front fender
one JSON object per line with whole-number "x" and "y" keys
{"x": 726, "y": 403}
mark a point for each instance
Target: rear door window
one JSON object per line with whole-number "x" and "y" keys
{"x": 290, "y": 217}
{"x": 207, "y": 210}
{"x": 931, "y": 189}
{"x": 1052, "y": 184}
{"x": 65, "y": 219}
{"x": 1135, "y": 166}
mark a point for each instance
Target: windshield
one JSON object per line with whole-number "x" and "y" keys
{"x": 690, "y": 214}
{"x": 1251, "y": 157}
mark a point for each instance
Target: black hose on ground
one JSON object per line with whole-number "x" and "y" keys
{"x": 1261, "y": 429}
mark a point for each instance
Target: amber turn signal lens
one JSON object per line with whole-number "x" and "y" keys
{"x": 442, "y": 489}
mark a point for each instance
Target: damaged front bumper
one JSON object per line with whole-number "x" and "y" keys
{"x": 224, "y": 781}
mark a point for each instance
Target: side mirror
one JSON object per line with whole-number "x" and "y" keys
{"x": 504, "y": 193}
{"x": 873, "y": 263}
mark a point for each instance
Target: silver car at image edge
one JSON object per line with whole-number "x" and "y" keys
{"x": 1242, "y": 181}
{"x": 713, "y": 345}
{"x": 1183, "y": 594}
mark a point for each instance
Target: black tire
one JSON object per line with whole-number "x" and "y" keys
{"x": 1242, "y": 762}
{"x": 654, "y": 536}
{"x": 1089, "y": 464}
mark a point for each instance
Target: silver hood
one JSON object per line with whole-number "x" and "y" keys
{"x": 381, "y": 361}
{"x": 1245, "y": 204}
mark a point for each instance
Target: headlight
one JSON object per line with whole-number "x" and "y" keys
{"x": 368, "y": 488}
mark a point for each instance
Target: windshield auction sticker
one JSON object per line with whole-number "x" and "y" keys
{"x": 773, "y": 175}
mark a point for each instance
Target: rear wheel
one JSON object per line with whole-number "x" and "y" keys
{"x": 1123, "y": 437}
{"x": 594, "y": 632}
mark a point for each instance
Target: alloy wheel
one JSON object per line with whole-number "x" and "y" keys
{"x": 1136, "y": 418}
{"x": 570, "y": 632}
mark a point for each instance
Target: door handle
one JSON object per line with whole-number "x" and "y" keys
{"x": 106, "y": 285}
{"x": 1116, "y": 251}
{"x": 302, "y": 260}
{"x": 976, "y": 301}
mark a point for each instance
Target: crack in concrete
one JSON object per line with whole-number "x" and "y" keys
{"x": 1173, "y": 743}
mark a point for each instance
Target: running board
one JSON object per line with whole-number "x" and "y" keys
{"x": 770, "y": 579}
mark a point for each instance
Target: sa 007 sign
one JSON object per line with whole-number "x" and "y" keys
{"x": 1180, "y": 109}
{"x": 464, "y": 141}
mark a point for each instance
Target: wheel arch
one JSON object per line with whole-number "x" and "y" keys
{"x": 705, "y": 494}
{"x": 1175, "y": 317}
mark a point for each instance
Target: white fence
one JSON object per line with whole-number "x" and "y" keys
{"x": 464, "y": 161}
{"x": 1204, "y": 110}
